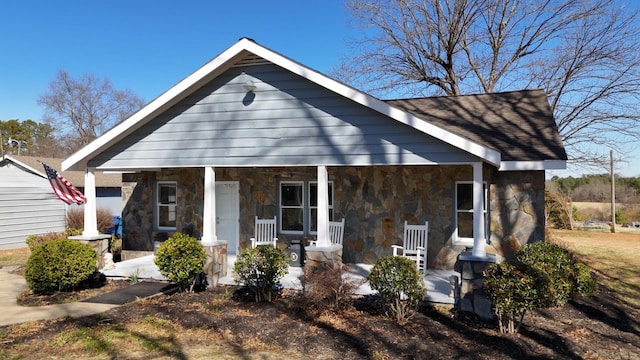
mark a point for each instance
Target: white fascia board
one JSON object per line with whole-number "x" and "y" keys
{"x": 533, "y": 165}
{"x": 487, "y": 154}
{"x": 25, "y": 166}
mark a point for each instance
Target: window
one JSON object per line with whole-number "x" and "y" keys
{"x": 292, "y": 206}
{"x": 166, "y": 205}
{"x": 464, "y": 213}
{"x": 299, "y": 213}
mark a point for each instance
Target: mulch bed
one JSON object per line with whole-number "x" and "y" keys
{"x": 599, "y": 327}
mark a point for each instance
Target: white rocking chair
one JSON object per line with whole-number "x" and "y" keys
{"x": 414, "y": 245}
{"x": 336, "y": 233}
{"x": 265, "y": 232}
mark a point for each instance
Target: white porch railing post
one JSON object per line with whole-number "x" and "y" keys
{"x": 323, "y": 207}
{"x": 209, "y": 211}
{"x": 478, "y": 213}
{"x": 90, "y": 217}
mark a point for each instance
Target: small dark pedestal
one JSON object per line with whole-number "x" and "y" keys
{"x": 473, "y": 298}
{"x": 296, "y": 253}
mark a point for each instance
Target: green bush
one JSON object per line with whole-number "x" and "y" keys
{"x": 181, "y": 259}
{"x": 542, "y": 275}
{"x": 261, "y": 269}
{"x": 34, "y": 241}
{"x": 512, "y": 291}
{"x": 399, "y": 284}
{"x": 555, "y": 269}
{"x": 59, "y": 265}
{"x": 585, "y": 284}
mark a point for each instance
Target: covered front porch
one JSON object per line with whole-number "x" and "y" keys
{"x": 437, "y": 282}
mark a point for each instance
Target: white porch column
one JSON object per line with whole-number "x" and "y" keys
{"x": 209, "y": 213}
{"x": 478, "y": 216}
{"x": 323, "y": 208}
{"x": 90, "y": 217}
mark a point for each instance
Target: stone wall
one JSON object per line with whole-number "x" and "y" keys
{"x": 375, "y": 202}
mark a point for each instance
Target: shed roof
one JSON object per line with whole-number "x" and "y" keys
{"x": 74, "y": 177}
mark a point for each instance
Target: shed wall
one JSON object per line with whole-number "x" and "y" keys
{"x": 27, "y": 207}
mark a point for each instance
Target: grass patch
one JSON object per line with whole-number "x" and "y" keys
{"x": 612, "y": 256}
{"x": 17, "y": 256}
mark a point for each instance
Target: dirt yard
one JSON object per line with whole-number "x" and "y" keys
{"x": 220, "y": 324}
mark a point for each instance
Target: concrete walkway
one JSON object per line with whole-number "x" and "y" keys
{"x": 11, "y": 286}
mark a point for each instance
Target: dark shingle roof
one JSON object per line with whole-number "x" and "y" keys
{"x": 75, "y": 177}
{"x": 520, "y": 124}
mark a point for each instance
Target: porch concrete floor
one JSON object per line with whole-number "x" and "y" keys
{"x": 436, "y": 281}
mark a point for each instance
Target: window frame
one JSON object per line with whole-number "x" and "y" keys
{"x": 281, "y": 207}
{"x": 159, "y": 204}
{"x": 306, "y": 206}
{"x": 466, "y": 241}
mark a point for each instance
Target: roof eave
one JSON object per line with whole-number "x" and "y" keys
{"x": 225, "y": 60}
{"x": 533, "y": 165}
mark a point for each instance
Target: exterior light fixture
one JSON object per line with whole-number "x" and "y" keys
{"x": 248, "y": 84}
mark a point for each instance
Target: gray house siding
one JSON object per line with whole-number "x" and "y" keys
{"x": 287, "y": 121}
{"x": 27, "y": 207}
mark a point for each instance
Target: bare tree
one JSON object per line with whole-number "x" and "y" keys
{"x": 583, "y": 53}
{"x": 82, "y": 109}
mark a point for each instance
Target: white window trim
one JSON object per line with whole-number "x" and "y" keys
{"x": 306, "y": 206}
{"x": 157, "y": 204}
{"x": 465, "y": 241}
{"x": 281, "y": 207}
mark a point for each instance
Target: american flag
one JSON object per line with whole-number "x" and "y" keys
{"x": 63, "y": 189}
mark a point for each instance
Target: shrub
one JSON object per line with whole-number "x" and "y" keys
{"x": 75, "y": 219}
{"x": 59, "y": 265}
{"x": 181, "y": 258}
{"x": 329, "y": 288}
{"x": 34, "y": 241}
{"x": 261, "y": 269}
{"x": 542, "y": 275}
{"x": 555, "y": 269}
{"x": 399, "y": 284}
{"x": 512, "y": 291}
{"x": 585, "y": 284}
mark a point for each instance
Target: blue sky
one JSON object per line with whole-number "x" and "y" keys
{"x": 148, "y": 46}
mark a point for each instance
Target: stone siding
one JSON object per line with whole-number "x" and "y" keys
{"x": 375, "y": 201}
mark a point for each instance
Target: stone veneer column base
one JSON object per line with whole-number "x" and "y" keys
{"x": 321, "y": 257}
{"x": 99, "y": 243}
{"x": 472, "y": 297}
{"x": 215, "y": 266}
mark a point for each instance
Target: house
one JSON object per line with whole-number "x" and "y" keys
{"x": 254, "y": 133}
{"x": 28, "y": 205}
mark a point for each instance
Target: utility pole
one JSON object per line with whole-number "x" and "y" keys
{"x": 613, "y": 195}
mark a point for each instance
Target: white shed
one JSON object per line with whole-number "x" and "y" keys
{"x": 27, "y": 204}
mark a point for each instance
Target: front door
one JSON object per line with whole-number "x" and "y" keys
{"x": 228, "y": 214}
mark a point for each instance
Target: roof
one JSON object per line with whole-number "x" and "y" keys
{"x": 74, "y": 177}
{"x": 520, "y": 124}
{"x": 413, "y": 113}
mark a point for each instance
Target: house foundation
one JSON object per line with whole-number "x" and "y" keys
{"x": 99, "y": 244}
{"x": 472, "y": 296}
{"x": 215, "y": 266}
{"x": 318, "y": 257}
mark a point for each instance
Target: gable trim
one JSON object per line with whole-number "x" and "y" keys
{"x": 9, "y": 159}
{"x": 229, "y": 58}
